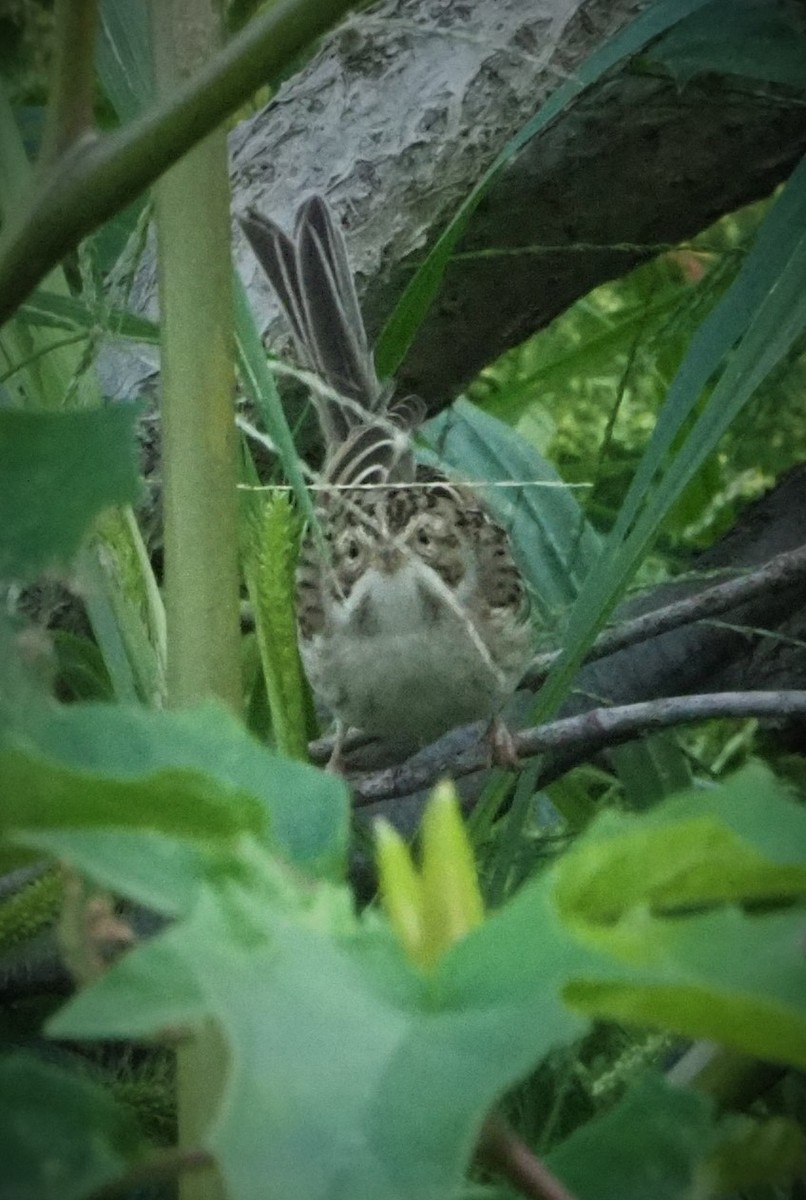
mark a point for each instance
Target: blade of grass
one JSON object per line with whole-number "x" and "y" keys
{"x": 766, "y": 305}
{"x": 258, "y": 382}
{"x": 49, "y": 310}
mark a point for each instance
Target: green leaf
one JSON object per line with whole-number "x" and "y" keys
{"x": 764, "y": 310}
{"x": 43, "y": 794}
{"x": 123, "y": 56}
{"x": 258, "y": 382}
{"x": 154, "y": 868}
{"x": 50, "y": 310}
{"x": 725, "y": 976}
{"x": 733, "y": 977}
{"x": 151, "y": 992}
{"x": 57, "y": 472}
{"x": 756, "y": 39}
{"x": 61, "y": 1136}
{"x": 552, "y": 540}
{"x": 651, "y": 1144}
{"x": 287, "y": 972}
{"x": 82, "y": 674}
{"x": 196, "y": 774}
{"x": 743, "y": 840}
{"x": 286, "y": 987}
{"x": 398, "y": 333}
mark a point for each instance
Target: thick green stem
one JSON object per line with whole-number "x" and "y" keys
{"x": 199, "y": 462}
{"x": 72, "y": 91}
{"x": 95, "y": 179}
{"x": 198, "y": 383}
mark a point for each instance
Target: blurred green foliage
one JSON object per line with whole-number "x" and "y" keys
{"x": 586, "y": 390}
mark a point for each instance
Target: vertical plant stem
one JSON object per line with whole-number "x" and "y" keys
{"x": 198, "y": 429}
{"x": 199, "y": 463}
{"x": 70, "y": 105}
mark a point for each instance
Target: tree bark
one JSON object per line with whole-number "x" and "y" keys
{"x": 403, "y": 107}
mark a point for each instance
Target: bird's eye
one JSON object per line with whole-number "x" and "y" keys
{"x": 353, "y": 550}
{"x": 423, "y": 537}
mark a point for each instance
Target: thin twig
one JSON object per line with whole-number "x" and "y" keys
{"x": 500, "y": 1150}
{"x": 583, "y": 736}
{"x": 778, "y": 572}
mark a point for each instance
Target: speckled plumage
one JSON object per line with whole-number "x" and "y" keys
{"x": 414, "y": 619}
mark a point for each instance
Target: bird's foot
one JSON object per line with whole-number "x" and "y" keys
{"x": 503, "y": 750}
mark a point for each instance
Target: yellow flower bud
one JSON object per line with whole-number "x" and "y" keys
{"x": 401, "y": 892}
{"x": 434, "y": 908}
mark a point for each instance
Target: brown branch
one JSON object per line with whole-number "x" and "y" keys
{"x": 779, "y": 572}
{"x": 584, "y": 735}
{"x": 500, "y": 1150}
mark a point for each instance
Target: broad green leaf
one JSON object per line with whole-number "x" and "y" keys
{"x": 196, "y": 773}
{"x": 745, "y": 839}
{"x": 287, "y": 972}
{"x": 156, "y": 988}
{"x": 726, "y": 976}
{"x": 653, "y": 1143}
{"x": 723, "y": 974}
{"x": 61, "y": 1136}
{"x": 553, "y": 541}
{"x": 285, "y": 992}
{"x": 554, "y": 544}
{"x": 42, "y": 794}
{"x": 757, "y": 39}
{"x": 57, "y": 472}
{"x": 398, "y": 333}
{"x": 123, "y": 56}
{"x": 155, "y": 868}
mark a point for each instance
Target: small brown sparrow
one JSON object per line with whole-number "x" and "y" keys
{"x": 415, "y": 620}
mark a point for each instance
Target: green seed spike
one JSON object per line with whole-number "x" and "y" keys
{"x": 273, "y": 541}
{"x": 32, "y": 909}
